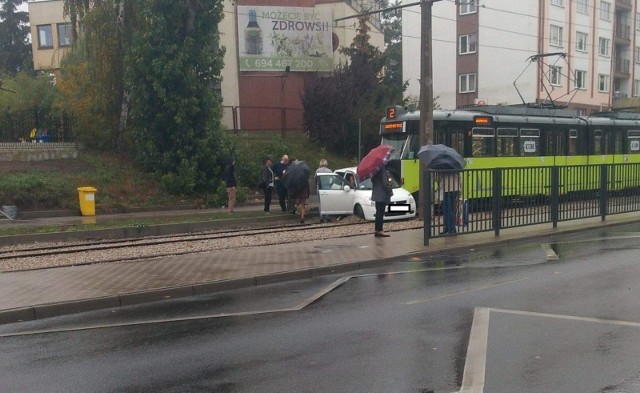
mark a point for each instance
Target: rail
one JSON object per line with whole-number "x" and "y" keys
{"x": 480, "y": 200}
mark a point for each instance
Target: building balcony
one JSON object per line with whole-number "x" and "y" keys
{"x": 623, "y": 66}
{"x": 623, "y": 32}
{"x": 624, "y": 4}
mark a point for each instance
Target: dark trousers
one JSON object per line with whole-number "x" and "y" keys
{"x": 282, "y": 195}
{"x": 267, "y": 198}
{"x": 380, "y": 208}
{"x": 448, "y": 207}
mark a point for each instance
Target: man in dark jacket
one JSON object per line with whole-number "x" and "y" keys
{"x": 267, "y": 179}
{"x": 278, "y": 170}
{"x": 231, "y": 183}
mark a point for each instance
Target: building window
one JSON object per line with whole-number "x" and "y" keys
{"x": 45, "y": 38}
{"x": 637, "y": 54}
{"x": 64, "y": 34}
{"x": 580, "y": 82}
{"x": 557, "y": 2}
{"x": 637, "y": 20}
{"x": 636, "y": 88}
{"x": 468, "y": 7}
{"x": 581, "y": 41}
{"x": 605, "y": 10}
{"x": 555, "y": 36}
{"x": 555, "y": 75}
{"x": 603, "y": 47}
{"x": 467, "y": 83}
{"x": 467, "y": 44}
{"x": 582, "y": 6}
{"x": 603, "y": 83}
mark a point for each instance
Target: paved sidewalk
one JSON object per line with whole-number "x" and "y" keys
{"x": 45, "y": 293}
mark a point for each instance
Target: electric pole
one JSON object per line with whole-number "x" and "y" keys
{"x": 426, "y": 91}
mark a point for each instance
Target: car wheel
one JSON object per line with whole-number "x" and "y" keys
{"x": 358, "y": 212}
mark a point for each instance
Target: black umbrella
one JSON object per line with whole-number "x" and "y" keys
{"x": 296, "y": 177}
{"x": 441, "y": 157}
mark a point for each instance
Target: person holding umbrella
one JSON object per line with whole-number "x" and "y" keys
{"x": 381, "y": 194}
{"x": 374, "y": 166}
{"x": 296, "y": 180}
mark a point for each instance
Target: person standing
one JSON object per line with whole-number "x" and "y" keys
{"x": 291, "y": 202}
{"x": 449, "y": 183}
{"x": 322, "y": 168}
{"x": 267, "y": 179}
{"x": 278, "y": 171}
{"x": 381, "y": 193}
{"x": 301, "y": 200}
{"x": 231, "y": 184}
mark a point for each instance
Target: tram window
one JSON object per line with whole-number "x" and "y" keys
{"x": 597, "y": 142}
{"x": 507, "y": 142}
{"x": 483, "y": 140}
{"x": 633, "y": 141}
{"x": 573, "y": 142}
{"x": 529, "y": 142}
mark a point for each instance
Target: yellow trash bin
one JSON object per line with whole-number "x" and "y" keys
{"x": 87, "y": 200}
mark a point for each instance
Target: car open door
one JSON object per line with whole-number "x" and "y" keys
{"x": 333, "y": 196}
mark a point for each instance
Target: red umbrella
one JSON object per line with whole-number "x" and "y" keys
{"x": 373, "y": 161}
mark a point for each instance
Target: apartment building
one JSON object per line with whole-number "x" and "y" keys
{"x": 583, "y": 54}
{"x": 271, "y": 46}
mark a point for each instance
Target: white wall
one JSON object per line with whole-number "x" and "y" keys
{"x": 229, "y": 85}
{"x": 443, "y": 48}
{"x": 506, "y": 40}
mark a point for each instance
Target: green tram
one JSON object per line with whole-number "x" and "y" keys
{"x": 519, "y": 137}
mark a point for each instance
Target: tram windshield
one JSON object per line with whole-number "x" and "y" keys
{"x": 398, "y": 142}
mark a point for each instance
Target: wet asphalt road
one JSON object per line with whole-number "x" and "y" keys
{"x": 571, "y": 325}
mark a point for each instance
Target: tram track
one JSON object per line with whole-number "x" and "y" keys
{"x": 47, "y": 255}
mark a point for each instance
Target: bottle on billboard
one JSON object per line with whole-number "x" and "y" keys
{"x": 253, "y": 35}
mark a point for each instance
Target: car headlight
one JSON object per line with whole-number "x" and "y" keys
{"x": 411, "y": 200}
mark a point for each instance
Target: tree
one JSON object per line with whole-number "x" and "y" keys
{"x": 172, "y": 67}
{"x": 15, "y": 49}
{"x": 354, "y": 97}
{"x": 392, "y": 29}
{"x": 93, "y": 74}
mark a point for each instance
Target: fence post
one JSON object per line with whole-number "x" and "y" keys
{"x": 555, "y": 192}
{"x": 497, "y": 200}
{"x": 603, "y": 191}
{"x": 426, "y": 180}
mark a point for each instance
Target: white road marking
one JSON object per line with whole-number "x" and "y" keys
{"x": 428, "y": 299}
{"x": 476, "y": 362}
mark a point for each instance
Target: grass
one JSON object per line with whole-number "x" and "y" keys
{"x": 122, "y": 185}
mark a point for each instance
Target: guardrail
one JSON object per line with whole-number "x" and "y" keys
{"x": 481, "y": 200}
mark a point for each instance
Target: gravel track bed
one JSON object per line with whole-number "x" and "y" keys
{"x": 136, "y": 251}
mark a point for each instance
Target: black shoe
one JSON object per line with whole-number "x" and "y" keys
{"x": 380, "y": 234}
{"x": 302, "y": 221}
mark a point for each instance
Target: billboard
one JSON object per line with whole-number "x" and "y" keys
{"x": 274, "y": 38}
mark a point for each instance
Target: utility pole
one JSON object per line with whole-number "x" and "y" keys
{"x": 426, "y": 91}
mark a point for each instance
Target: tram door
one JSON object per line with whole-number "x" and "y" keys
{"x": 452, "y": 136}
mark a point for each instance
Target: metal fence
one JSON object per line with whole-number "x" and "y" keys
{"x": 18, "y": 126}
{"x": 482, "y": 200}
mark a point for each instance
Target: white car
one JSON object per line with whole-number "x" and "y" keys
{"x": 340, "y": 193}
